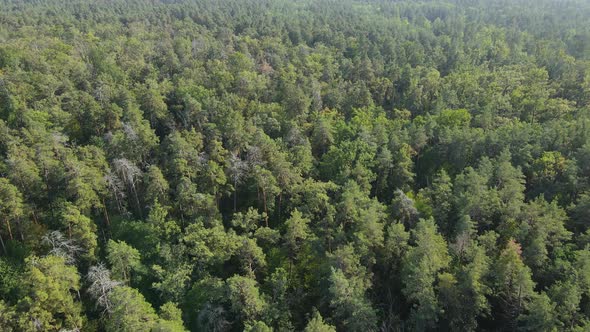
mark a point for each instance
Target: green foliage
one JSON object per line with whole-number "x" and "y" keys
{"x": 123, "y": 259}
{"x": 9, "y": 278}
{"x": 351, "y": 307}
{"x": 422, "y": 265}
{"x": 244, "y": 298}
{"x": 513, "y": 283}
{"x": 81, "y": 229}
{"x": 541, "y": 316}
{"x": 130, "y": 311}
{"x": 170, "y": 319}
{"x": 48, "y": 302}
{"x": 248, "y": 165}
{"x": 439, "y": 197}
{"x": 297, "y": 231}
{"x": 11, "y": 208}
{"x": 317, "y": 324}
{"x": 257, "y": 327}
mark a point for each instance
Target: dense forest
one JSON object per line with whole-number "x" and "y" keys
{"x": 294, "y": 165}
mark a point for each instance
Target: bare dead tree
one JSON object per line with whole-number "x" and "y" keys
{"x": 129, "y": 173}
{"x": 62, "y": 246}
{"x": 101, "y": 286}
{"x": 117, "y": 188}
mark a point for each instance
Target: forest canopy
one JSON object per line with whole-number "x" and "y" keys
{"x": 294, "y": 165}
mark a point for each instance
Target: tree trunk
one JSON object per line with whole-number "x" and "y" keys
{"x": 3, "y": 246}
{"x": 280, "y": 202}
{"x": 136, "y": 200}
{"x": 8, "y": 228}
{"x": 34, "y": 216}
{"x": 48, "y": 189}
{"x": 20, "y": 230}
{"x": 181, "y": 214}
{"x": 265, "y": 208}
{"x": 119, "y": 205}
{"x": 106, "y": 213}
{"x": 235, "y": 194}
